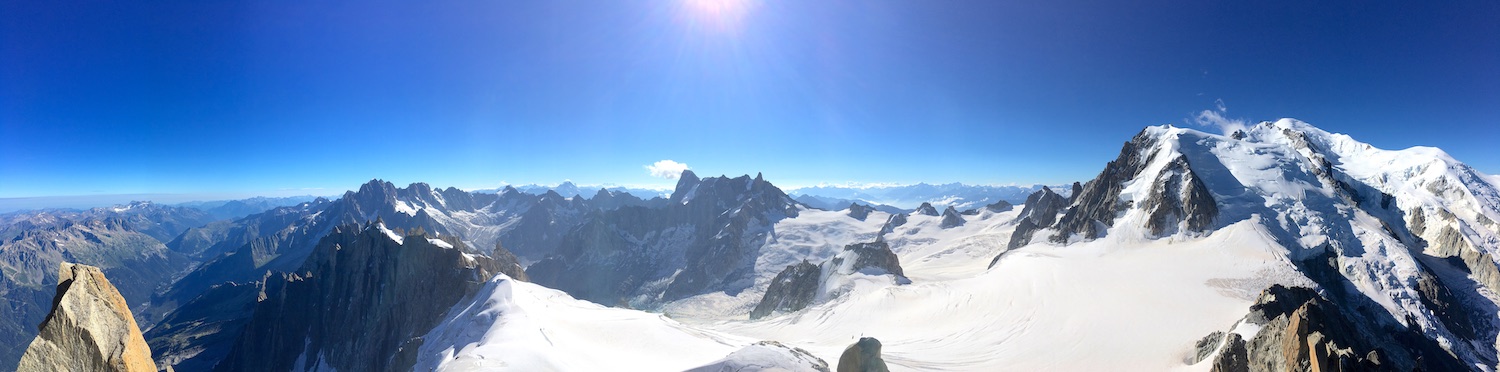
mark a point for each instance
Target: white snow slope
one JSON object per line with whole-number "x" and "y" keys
{"x": 519, "y": 326}
{"x": 1123, "y": 302}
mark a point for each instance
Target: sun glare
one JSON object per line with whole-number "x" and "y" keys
{"x": 719, "y": 15}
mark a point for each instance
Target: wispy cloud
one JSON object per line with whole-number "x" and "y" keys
{"x": 1218, "y": 118}
{"x": 666, "y": 169}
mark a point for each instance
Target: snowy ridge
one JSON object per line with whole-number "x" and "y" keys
{"x": 519, "y": 326}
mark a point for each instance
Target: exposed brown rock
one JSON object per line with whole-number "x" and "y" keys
{"x": 1302, "y": 331}
{"x": 90, "y": 328}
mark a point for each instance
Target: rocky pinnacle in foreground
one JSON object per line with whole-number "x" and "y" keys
{"x": 90, "y": 328}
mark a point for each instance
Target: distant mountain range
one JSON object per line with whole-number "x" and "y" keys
{"x": 568, "y": 189}
{"x": 233, "y": 209}
{"x": 908, "y": 197}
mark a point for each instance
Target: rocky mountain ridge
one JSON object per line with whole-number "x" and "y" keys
{"x": 360, "y": 302}
{"x": 702, "y": 240}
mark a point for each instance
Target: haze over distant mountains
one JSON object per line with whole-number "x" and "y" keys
{"x": 958, "y": 195}
{"x": 836, "y": 197}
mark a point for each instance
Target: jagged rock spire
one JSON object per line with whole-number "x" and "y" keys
{"x": 90, "y": 328}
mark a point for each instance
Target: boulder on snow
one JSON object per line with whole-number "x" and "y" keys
{"x": 90, "y": 328}
{"x": 862, "y": 356}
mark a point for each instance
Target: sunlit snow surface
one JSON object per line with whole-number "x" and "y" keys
{"x": 1126, "y": 301}
{"x": 1102, "y": 305}
{"x": 519, "y": 326}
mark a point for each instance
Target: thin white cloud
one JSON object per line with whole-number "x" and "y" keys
{"x": 1218, "y": 118}
{"x": 666, "y": 169}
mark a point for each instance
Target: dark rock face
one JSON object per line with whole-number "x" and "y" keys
{"x": 793, "y": 289}
{"x": 1098, "y": 202}
{"x": 797, "y": 286}
{"x": 1206, "y": 347}
{"x": 1232, "y": 358}
{"x": 1040, "y": 211}
{"x": 201, "y": 333}
{"x": 1179, "y": 195}
{"x": 1461, "y": 318}
{"x": 860, "y": 212}
{"x": 275, "y": 240}
{"x": 704, "y": 239}
{"x": 360, "y": 299}
{"x": 1448, "y": 242}
{"x": 927, "y": 209}
{"x": 951, "y": 219}
{"x": 685, "y": 185}
{"x": 874, "y": 255}
{"x": 891, "y": 223}
{"x": 1075, "y": 192}
{"x": 507, "y": 263}
{"x": 281, "y": 240}
{"x": 999, "y": 206}
{"x": 862, "y": 356}
{"x": 1042, "y": 207}
{"x": 89, "y": 328}
{"x": 1302, "y": 331}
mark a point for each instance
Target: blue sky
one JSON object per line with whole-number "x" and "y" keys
{"x": 277, "y": 98}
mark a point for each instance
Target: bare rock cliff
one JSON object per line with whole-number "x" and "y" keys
{"x": 90, "y": 328}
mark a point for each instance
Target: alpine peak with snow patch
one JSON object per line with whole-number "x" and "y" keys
{"x": 1396, "y": 239}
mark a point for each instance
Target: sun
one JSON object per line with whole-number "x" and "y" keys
{"x": 720, "y": 15}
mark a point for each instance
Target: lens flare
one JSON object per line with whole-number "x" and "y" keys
{"x": 718, "y": 15}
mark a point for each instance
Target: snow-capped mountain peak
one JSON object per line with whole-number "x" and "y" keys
{"x": 1368, "y": 225}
